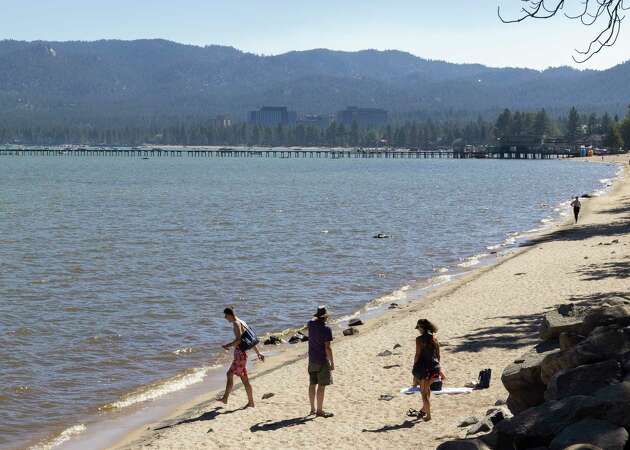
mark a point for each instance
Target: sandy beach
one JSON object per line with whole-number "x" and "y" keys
{"x": 486, "y": 320}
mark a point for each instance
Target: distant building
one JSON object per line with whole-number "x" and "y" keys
{"x": 270, "y": 116}
{"x": 222, "y": 121}
{"x": 315, "y": 120}
{"x": 364, "y": 117}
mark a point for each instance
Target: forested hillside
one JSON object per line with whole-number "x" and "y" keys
{"x": 118, "y": 83}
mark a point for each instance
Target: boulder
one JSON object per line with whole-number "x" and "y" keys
{"x": 350, "y": 331}
{"x": 617, "y": 396}
{"x": 471, "y": 420}
{"x": 537, "y": 426}
{"x": 584, "y": 379}
{"x": 566, "y": 319}
{"x": 609, "y": 342}
{"x": 568, "y": 340}
{"x": 463, "y": 444}
{"x": 614, "y": 315}
{"x": 355, "y": 323}
{"x": 523, "y": 381}
{"x": 591, "y": 431}
{"x": 273, "y": 340}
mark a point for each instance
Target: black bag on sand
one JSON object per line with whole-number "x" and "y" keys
{"x": 484, "y": 379}
{"x": 436, "y": 385}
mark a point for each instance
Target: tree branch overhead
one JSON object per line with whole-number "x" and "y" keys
{"x": 609, "y": 14}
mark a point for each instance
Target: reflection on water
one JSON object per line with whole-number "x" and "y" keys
{"x": 114, "y": 272}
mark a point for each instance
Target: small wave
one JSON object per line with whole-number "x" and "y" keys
{"x": 472, "y": 261}
{"x": 546, "y": 220}
{"x": 493, "y": 247}
{"x": 65, "y": 436}
{"x": 154, "y": 391}
{"x": 184, "y": 351}
{"x": 442, "y": 270}
{"x": 325, "y": 231}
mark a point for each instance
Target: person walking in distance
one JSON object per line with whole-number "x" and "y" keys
{"x": 244, "y": 339}
{"x": 576, "y": 208}
{"x": 320, "y": 361}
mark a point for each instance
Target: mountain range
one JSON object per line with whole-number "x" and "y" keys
{"x": 120, "y": 82}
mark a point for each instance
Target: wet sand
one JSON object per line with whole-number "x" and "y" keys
{"x": 487, "y": 319}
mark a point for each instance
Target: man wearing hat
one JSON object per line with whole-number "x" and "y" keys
{"x": 320, "y": 360}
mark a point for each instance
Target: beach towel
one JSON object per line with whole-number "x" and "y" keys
{"x": 448, "y": 391}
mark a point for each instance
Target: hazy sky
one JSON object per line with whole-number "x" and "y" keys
{"x": 454, "y": 30}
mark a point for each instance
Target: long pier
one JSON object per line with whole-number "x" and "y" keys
{"x": 274, "y": 153}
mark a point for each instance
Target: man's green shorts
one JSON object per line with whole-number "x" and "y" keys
{"x": 320, "y": 374}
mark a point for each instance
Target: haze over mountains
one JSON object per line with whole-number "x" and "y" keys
{"x": 118, "y": 82}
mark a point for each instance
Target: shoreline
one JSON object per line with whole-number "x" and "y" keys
{"x": 294, "y": 355}
{"x": 424, "y": 291}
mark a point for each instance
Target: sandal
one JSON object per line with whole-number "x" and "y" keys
{"x": 324, "y": 414}
{"x": 415, "y": 413}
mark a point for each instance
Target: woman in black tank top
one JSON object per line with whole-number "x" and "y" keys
{"x": 426, "y": 364}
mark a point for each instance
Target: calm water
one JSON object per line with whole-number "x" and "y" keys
{"x": 114, "y": 272}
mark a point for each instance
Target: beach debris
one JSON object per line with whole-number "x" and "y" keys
{"x": 482, "y": 426}
{"x": 386, "y": 397}
{"x": 520, "y": 273}
{"x": 468, "y": 421}
{"x": 298, "y": 337}
{"x": 385, "y": 353}
{"x": 498, "y": 413}
{"x": 355, "y": 323}
{"x": 381, "y": 236}
{"x": 397, "y": 346}
{"x": 350, "y": 331}
{"x": 393, "y": 306}
{"x": 268, "y": 395}
{"x": 616, "y": 241}
{"x": 273, "y": 340}
{"x": 391, "y": 366}
{"x": 586, "y": 257}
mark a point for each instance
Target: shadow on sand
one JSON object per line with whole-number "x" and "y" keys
{"x": 612, "y": 269}
{"x": 208, "y": 415}
{"x": 520, "y": 331}
{"x": 401, "y": 426}
{"x": 285, "y": 423}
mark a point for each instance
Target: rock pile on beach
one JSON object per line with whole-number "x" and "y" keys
{"x": 572, "y": 388}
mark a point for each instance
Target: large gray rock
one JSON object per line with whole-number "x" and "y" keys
{"x": 583, "y": 447}
{"x": 537, "y": 426}
{"x": 463, "y": 444}
{"x": 609, "y": 342}
{"x": 591, "y": 431}
{"x": 614, "y": 315}
{"x": 584, "y": 379}
{"x": 567, "y": 319}
{"x": 617, "y": 398}
{"x": 523, "y": 381}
